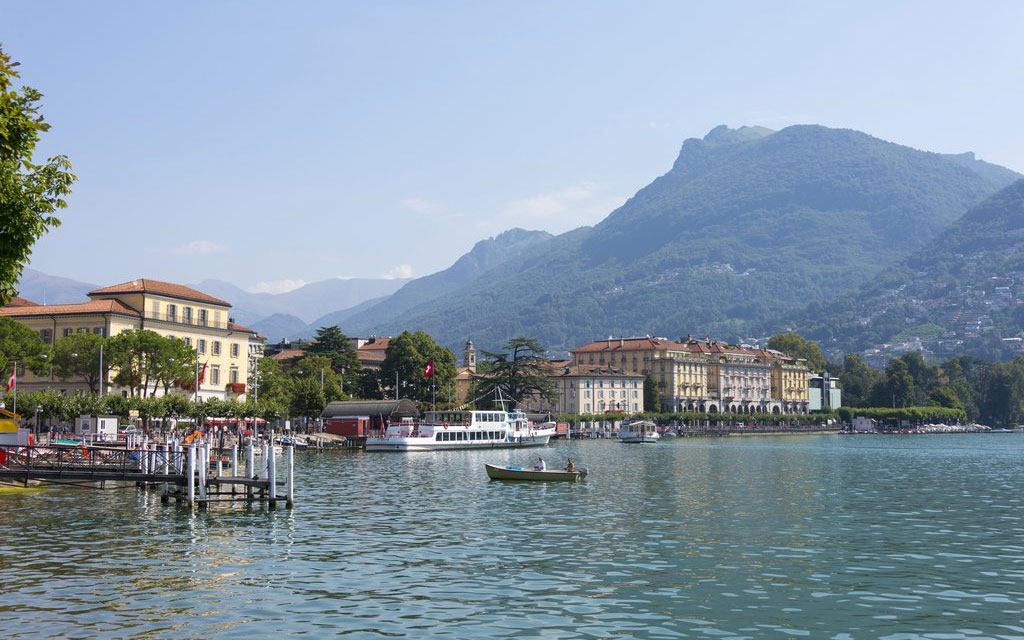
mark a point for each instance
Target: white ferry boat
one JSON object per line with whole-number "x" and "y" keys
{"x": 445, "y": 430}
{"x": 638, "y": 431}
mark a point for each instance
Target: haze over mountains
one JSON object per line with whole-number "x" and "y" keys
{"x": 747, "y": 228}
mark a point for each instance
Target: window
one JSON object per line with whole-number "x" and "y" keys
{"x": 216, "y": 347}
{"x": 46, "y": 335}
{"x": 186, "y": 315}
{"x": 233, "y": 376}
{"x": 202, "y": 346}
{"x": 437, "y": 436}
{"x": 234, "y": 349}
{"x": 83, "y": 329}
{"x": 215, "y": 375}
{"x": 202, "y": 317}
{"x": 172, "y": 313}
{"x": 188, "y": 341}
{"x": 98, "y": 331}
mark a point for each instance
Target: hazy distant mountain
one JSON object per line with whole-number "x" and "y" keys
{"x": 44, "y": 288}
{"x": 306, "y": 303}
{"x": 280, "y": 326}
{"x": 747, "y": 224}
{"x": 484, "y": 256}
{"x": 961, "y": 292}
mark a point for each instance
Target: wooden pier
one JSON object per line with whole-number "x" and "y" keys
{"x": 191, "y": 472}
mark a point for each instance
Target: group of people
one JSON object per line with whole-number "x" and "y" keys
{"x": 542, "y": 466}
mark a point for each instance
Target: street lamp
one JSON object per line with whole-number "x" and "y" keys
{"x": 39, "y": 409}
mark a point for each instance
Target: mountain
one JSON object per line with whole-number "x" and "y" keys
{"x": 747, "y": 224}
{"x": 43, "y": 288}
{"x": 280, "y": 326}
{"x": 306, "y": 303}
{"x": 484, "y": 256}
{"x": 963, "y": 292}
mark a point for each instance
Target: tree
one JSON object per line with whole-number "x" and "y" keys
{"x": 857, "y": 379}
{"x": 334, "y": 344}
{"x": 651, "y": 394}
{"x": 272, "y": 383}
{"x": 793, "y": 344}
{"x": 519, "y": 372}
{"x": 308, "y": 398}
{"x": 311, "y": 367}
{"x": 405, "y": 360}
{"x": 20, "y": 344}
{"x": 30, "y": 193}
{"x": 78, "y": 356}
{"x": 896, "y": 388}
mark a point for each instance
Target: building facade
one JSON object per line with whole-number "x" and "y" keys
{"x": 707, "y": 376}
{"x": 584, "y": 389}
{"x": 226, "y": 349}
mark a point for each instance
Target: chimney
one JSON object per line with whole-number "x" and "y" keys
{"x": 609, "y": 342}
{"x": 622, "y": 341}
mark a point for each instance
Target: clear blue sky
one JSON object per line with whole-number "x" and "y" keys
{"x": 267, "y": 142}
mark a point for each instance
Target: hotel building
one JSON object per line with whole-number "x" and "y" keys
{"x": 228, "y": 349}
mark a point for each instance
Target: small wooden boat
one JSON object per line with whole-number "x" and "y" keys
{"x": 494, "y": 472}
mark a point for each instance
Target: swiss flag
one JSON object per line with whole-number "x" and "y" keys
{"x": 11, "y": 379}
{"x": 428, "y": 370}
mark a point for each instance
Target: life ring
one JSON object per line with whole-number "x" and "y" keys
{"x": 446, "y": 425}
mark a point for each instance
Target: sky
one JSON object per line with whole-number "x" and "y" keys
{"x": 272, "y": 144}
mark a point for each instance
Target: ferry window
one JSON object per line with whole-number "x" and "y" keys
{"x": 438, "y": 437}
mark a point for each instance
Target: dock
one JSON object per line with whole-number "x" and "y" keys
{"x": 193, "y": 473}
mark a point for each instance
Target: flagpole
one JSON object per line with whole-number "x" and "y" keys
{"x": 15, "y": 386}
{"x": 196, "y": 399}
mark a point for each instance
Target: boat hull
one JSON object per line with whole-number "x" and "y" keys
{"x": 410, "y": 444}
{"x": 637, "y": 439}
{"x": 495, "y": 472}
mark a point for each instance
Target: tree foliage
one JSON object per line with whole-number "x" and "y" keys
{"x": 20, "y": 344}
{"x": 405, "y": 360}
{"x": 519, "y": 372}
{"x": 30, "y": 193}
{"x": 337, "y": 347}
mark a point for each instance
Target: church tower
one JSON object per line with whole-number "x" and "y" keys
{"x": 469, "y": 356}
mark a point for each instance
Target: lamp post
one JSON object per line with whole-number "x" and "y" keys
{"x": 39, "y": 409}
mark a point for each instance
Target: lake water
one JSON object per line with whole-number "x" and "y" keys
{"x": 767, "y": 537}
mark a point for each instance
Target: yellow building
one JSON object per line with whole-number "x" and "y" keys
{"x": 227, "y": 349}
{"x": 705, "y": 375}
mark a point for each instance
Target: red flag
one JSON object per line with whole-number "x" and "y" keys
{"x": 429, "y": 369}
{"x": 202, "y": 373}
{"x": 12, "y": 379}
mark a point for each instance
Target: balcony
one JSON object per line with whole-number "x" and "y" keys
{"x": 186, "y": 322}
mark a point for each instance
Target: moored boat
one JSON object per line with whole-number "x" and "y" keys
{"x": 495, "y": 472}
{"x": 449, "y": 430}
{"x": 638, "y": 431}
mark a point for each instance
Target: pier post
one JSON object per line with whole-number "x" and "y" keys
{"x": 204, "y": 468}
{"x": 290, "y": 487}
{"x": 234, "y": 464}
{"x": 272, "y": 476}
{"x": 165, "y": 494}
{"x": 220, "y": 465}
{"x": 250, "y": 466}
{"x": 190, "y": 474}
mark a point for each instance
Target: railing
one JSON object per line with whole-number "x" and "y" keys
{"x": 189, "y": 322}
{"x": 28, "y": 461}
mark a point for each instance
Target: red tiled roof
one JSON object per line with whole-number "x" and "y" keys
{"x": 288, "y": 354}
{"x": 370, "y": 356}
{"x": 234, "y": 326}
{"x": 146, "y": 285}
{"x": 378, "y": 344}
{"x": 630, "y": 344}
{"x": 18, "y": 301}
{"x": 95, "y": 306}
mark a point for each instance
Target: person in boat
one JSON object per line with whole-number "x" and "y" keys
{"x": 541, "y": 466}
{"x": 569, "y": 466}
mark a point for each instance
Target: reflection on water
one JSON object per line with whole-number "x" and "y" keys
{"x": 825, "y": 536}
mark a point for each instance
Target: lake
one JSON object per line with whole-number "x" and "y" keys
{"x": 745, "y": 537}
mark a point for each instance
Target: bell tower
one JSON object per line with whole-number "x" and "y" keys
{"x": 469, "y": 356}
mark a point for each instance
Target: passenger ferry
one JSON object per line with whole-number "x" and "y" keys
{"x": 446, "y": 430}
